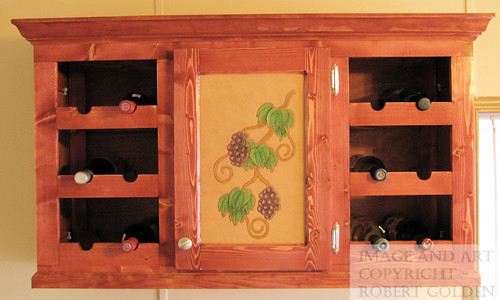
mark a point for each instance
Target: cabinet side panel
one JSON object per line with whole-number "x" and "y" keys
{"x": 186, "y": 162}
{"x": 46, "y": 158}
{"x": 463, "y": 152}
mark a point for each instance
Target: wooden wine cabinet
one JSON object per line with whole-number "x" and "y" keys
{"x": 342, "y": 62}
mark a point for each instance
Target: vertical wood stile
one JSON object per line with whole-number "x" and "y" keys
{"x": 46, "y": 158}
{"x": 77, "y": 147}
{"x": 164, "y": 69}
{"x": 318, "y": 152}
{"x": 186, "y": 156}
{"x": 463, "y": 153}
{"x": 339, "y": 123}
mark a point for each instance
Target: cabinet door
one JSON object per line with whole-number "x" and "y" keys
{"x": 253, "y": 159}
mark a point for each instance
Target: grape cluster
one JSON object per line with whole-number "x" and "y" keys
{"x": 268, "y": 202}
{"x": 238, "y": 148}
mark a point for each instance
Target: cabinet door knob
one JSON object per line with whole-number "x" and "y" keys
{"x": 185, "y": 243}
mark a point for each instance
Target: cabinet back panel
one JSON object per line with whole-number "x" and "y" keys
{"x": 405, "y": 148}
{"x": 370, "y": 77}
{"x": 434, "y": 212}
{"x": 105, "y": 83}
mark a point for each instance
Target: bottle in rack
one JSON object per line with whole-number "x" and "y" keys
{"x": 363, "y": 229}
{"x": 371, "y": 164}
{"x": 86, "y": 239}
{"x": 404, "y": 229}
{"x": 102, "y": 165}
{"x": 129, "y": 103}
{"x": 139, "y": 233}
{"x": 404, "y": 95}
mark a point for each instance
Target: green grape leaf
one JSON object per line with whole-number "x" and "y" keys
{"x": 280, "y": 120}
{"x": 251, "y": 144}
{"x": 290, "y": 119}
{"x": 272, "y": 160}
{"x": 264, "y": 157}
{"x": 264, "y": 111}
{"x": 224, "y": 204}
{"x": 238, "y": 203}
{"x": 248, "y": 164}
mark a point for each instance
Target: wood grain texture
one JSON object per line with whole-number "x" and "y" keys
{"x": 108, "y": 117}
{"x": 186, "y": 157}
{"x": 315, "y": 254}
{"x": 380, "y": 46}
{"x": 166, "y": 212}
{"x": 194, "y": 280}
{"x": 463, "y": 152}
{"x": 401, "y": 183}
{"x": 46, "y": 160}
{"x": 107, "y": 257}
{"x": 404, "y": 264}
{"x": 340, "y": 139}
{"x": 396, "y": 114}
{"x": 230, "y": 27}
{"x": 146, "y": 185}
{"x": 318, "y": 146}
{"x": 221, "y": 61}
{"x": 307, "y": 44}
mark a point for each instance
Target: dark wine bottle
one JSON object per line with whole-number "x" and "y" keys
{"x": 86, "y": 239}
{"x": 129, "y": 103}
{"x": 139, "y": 233}
{"x": 102, "y": 165}
{"x": 363, "y": 229}
{"x": 404, "y": 95}
{"x": 404, "y": 229}
{"x": 371, "y": 164}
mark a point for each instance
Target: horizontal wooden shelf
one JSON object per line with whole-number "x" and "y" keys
{"x": 108, "y": 186}
{"x": 399, "y": 114}
{"x": 107, "y": 117}
{"x": 169, "y": 278}
{"x": 401, "y": 183}
{"x": 107, "y": 257}
{"x": 436, "y": 242}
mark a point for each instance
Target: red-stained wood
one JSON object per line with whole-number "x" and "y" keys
{"x": 401, "y": 183}
{"x": 318, "y": 147}
{"x": 241, "y": 44}
{"x": 397, "y": 113}
{"x": 339, "y": 124}
{"x": 194, "y": 280}
{"x": 231, "y": 27}
{"x": 166, "y": 212}
{"x": 186, "y": 157}
{"x": 315, "y": 255}
{"x": 383, "y": 46}
{"x": 46, "y": 158}
{"x": 146, "y": 185}
{"x": 404, "y": 264}
{"x": 463, "y": 152}
{"x": 108, "y": 117}
{"x": 233, "y": 61}
{"x": 107, "y": 257}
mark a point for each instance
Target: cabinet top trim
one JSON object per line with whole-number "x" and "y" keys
{"x": 250, "y": 27}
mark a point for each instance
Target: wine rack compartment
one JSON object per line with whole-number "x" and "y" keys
{"x": 104, "y": 83}
{"x": 433, "y": 212}
{"x": 421, "y": 149}
{"x": 138, "y": 149}
{"x": 107, "y": 218}
{"x": 369, "y": 78}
